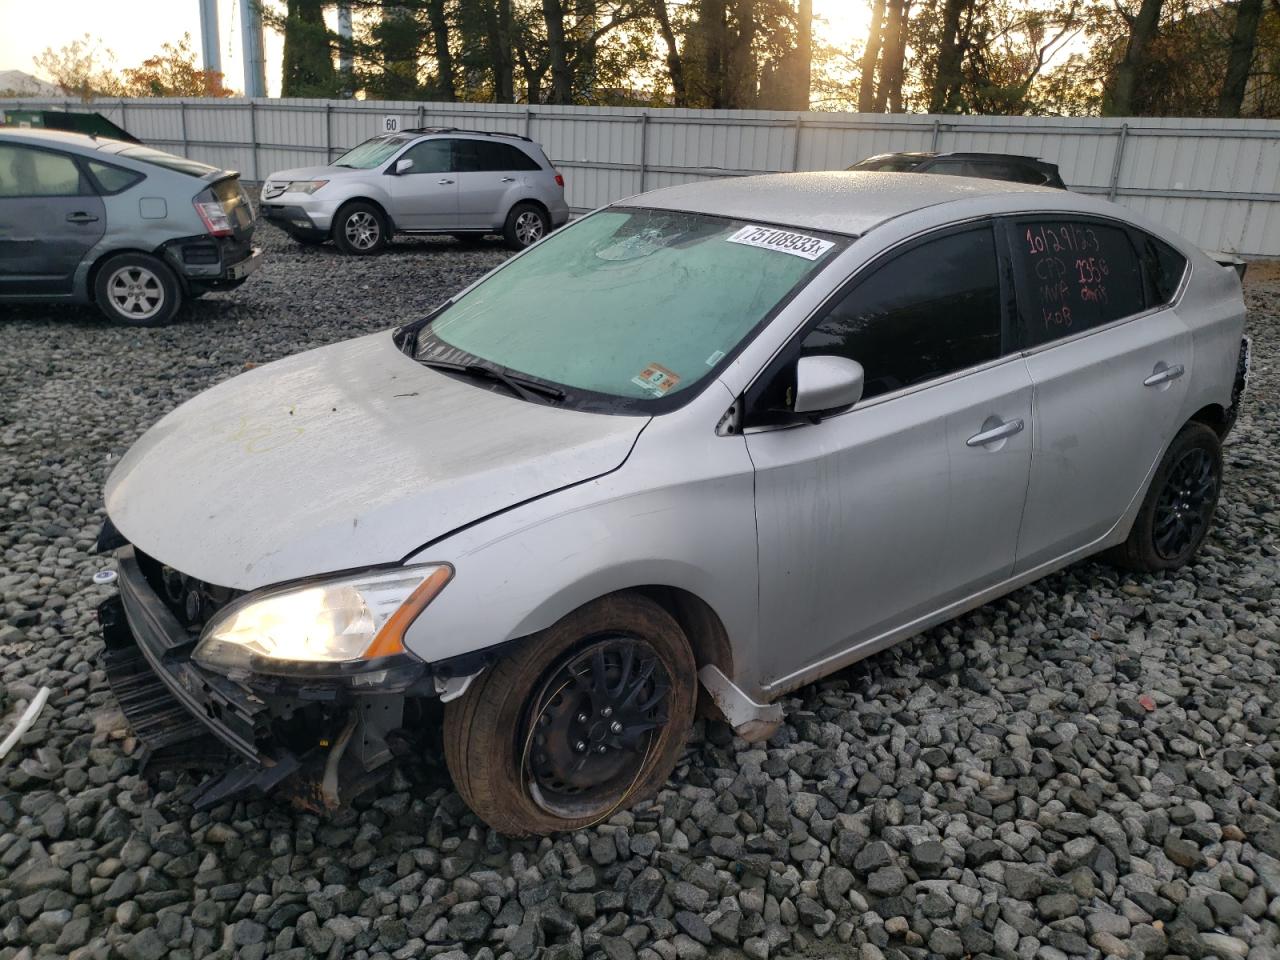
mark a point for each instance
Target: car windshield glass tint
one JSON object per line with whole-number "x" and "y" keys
{"x": 371, "y": 153}
{"x": 633, "y": 304}
{"x": 167, "y": 160}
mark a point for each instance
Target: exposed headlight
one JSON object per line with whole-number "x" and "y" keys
{"x": 304, "y": 186}
{"x": 352, "y": 619}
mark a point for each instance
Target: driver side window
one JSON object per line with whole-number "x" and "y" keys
{"x": 926, "y": 313}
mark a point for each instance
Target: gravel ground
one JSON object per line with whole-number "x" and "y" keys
{"x": 1086, "y": 768}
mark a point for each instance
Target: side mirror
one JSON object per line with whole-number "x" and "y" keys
{"x": 826, "y": 384}
{"x": 403, "y": 166}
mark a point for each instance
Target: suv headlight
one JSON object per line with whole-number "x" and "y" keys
{"x": 304, "y": 186}
{"x": 344, "y": 621}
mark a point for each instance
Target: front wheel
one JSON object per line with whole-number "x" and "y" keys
{"x": 585, "y": 718}
{"x": 360, "y": 229}
{"x": 138, "y": 290}
{"x": 527, "y": 223}
{"x": 1175, "y": 516}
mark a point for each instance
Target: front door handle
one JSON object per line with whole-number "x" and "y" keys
{"x": 81, "y": 217}
{"x": 1164, "y": 374}
{"x": 991, "y": 434}
{"x": 444, "y": 182}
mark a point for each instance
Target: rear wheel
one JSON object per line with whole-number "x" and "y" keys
{"x": 138, "y": 290}
{"x": 527, "y": 223}
{"x": 360, "y": 229}
{"x": 587, "y": 717}
{"x": 1176, "y": 515}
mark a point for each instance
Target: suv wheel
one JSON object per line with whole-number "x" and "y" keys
{"x": 527, "y": 223}
{"x": 360, "y": 229}
{"x": 1178, "y": 509}
{"x": 137, "y": 290}
{"x": 585, "y": 718}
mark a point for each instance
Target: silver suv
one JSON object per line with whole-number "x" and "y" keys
{"x": 429, "y": 180}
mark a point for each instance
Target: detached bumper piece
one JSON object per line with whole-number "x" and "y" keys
{"x": 319, "y": 742}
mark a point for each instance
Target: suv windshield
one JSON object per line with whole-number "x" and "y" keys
{"x": 632, "y": 304}
{"x": 373, "y": 152}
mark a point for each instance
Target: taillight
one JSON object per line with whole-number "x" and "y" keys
{"x": 214, "y": 213}
{"x": 559, "y": 180}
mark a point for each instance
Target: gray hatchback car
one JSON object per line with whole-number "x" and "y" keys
{"x": 134, "y": 230}
{"x": 429, "y": 180}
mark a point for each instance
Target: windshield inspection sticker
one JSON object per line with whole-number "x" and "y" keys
{"x": 783, "y": 241}
{"x": 657, "y": 379}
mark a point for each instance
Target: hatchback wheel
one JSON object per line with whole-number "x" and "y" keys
{"x": 360, "y": 229}
{"x": 527, "y": 223}
{"x": 137, "y": 290}
{"x": 586, "y": 718}
{"x": 1178, "y": 509}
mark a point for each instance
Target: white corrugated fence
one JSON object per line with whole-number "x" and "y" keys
{"x": 1217, "y": 182}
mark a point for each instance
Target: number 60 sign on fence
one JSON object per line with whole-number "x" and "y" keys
{"x": 390, "y": 124}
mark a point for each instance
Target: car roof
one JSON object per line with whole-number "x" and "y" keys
{"x": 846, "y": 201}
{"x": 55, "y": 138}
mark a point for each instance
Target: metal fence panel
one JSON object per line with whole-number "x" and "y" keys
{"x": 1215, "y": 181}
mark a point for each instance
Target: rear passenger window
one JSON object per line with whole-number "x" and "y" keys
{"x": 1164, "y": 267}
{"x": 928, "y": 312}
{"x": 1073, "y": 275}
{"x": 503, "y": 156}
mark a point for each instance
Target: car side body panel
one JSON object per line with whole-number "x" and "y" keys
{"x": 679, "y": 513}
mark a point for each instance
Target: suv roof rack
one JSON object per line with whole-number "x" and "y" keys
{"x": 483, "y": 133}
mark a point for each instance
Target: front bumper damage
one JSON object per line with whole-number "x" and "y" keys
{"x": 324, "y": 738}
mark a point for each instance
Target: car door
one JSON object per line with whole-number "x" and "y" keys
{"x": 910, "y": 501}
{"x": 424, "y": 197}
{"x": 489, "y": 173}
{"x": 50, "y": 218}
{"x": 1110, "y": 378}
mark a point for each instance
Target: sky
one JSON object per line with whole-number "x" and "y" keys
{"x": 135, "y": 29}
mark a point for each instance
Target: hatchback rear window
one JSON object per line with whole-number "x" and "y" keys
{"x": 167, "y": 160}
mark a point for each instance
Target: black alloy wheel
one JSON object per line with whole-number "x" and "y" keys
{"x": 1186, "y": 503}
{"x": 590, "y": 730}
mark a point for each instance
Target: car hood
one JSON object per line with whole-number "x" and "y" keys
{"x": 322, "y": 172}
{"x": 347, "y": 456}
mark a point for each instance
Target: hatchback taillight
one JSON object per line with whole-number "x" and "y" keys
{"x": 215, "y": 214}
{"x": 559, "y": 180}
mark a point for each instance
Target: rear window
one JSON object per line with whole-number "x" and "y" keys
{"x": 169, "y": 161}
{"x": 112, "y": 180}
{"x": 1073, "y": 275}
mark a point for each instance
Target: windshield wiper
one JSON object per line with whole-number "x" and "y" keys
{"x": 523, "y": 387}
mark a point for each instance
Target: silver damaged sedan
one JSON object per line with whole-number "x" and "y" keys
{"x": 732, "y": 436}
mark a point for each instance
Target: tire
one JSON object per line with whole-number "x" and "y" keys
{"x": 527, "y": 223}
{"x": 137, "y": 290}
{"x": 1178, "y": 510}
{"x": 360, "y": 229}
{"x": 498, "y": 734}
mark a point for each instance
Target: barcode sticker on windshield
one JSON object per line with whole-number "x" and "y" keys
{"x": 784, "y": 241}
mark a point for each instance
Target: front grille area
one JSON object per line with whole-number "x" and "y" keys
{"x": 192, "y": 601}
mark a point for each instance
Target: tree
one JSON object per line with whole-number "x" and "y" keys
{"x": 1244, "y": 38}
{"x": 1118, "y": 96}
{"x": 173, "y": 73}
{"x": 83, "y": 68}
{"x": 307, "y": 64}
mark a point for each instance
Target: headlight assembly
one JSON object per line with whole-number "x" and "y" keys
{"x": 304, "y": 186}
{"x": 342, "y": 622}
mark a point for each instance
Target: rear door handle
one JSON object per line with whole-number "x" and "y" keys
{"x": 81, "y": 217}
{"x": 1164, "y": 374}
{"x": 444, "y": 182}
{"x": 508, "y": 179}
{"x": 997, "y": 432}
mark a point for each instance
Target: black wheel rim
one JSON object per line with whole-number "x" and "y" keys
{"x": 591, "y": 727}
{"x": 1185, "y": 504}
